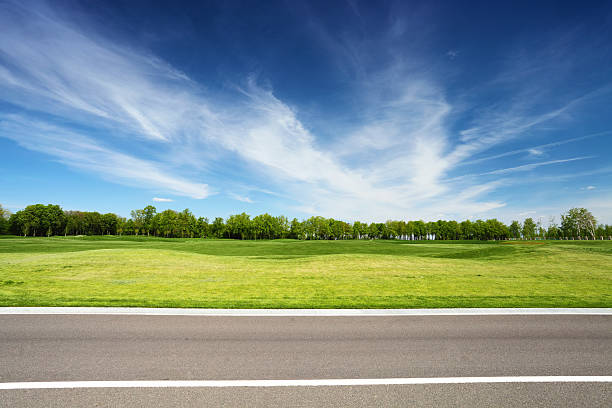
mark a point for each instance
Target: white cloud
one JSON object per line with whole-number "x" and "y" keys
{"x": 500, "y": 127}
{"x": 535, "y": 152}
{"x": 81, "y": 152}
{"x": 162, "y": 200}
{"x": 244, "y": 199}
{"x": 56, "y": 68}
{"x": 590, "y": 187}
{"x": 531, "y": 166}
{"x": 539, "y": 148}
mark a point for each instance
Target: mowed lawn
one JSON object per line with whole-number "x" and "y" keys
{"x": 153, "y": 272}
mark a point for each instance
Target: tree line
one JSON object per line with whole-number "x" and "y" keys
{"x": 49, "y": 220}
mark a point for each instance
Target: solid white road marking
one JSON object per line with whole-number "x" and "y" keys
{"x": 301, "y": 383}
{"x": 298, "y": 312}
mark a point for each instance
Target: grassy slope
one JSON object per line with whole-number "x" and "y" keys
{"x": 131, "y": 271}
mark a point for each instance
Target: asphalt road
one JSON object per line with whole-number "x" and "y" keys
{"x": 78, "y": 348}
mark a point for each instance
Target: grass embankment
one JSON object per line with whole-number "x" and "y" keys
{"x": 153, "y": 272}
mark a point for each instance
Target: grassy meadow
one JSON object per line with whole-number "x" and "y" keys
{"x": 156, "y": 272}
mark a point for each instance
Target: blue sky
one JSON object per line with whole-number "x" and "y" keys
{"x": 346, "y": 109}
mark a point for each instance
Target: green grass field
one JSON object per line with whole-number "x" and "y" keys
{"x": 154, "y": 272}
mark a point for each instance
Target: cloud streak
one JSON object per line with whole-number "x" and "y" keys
{"x": 243, "y": 199}
{"x": 531, "y": 166}
{"x": 83, "y": 153}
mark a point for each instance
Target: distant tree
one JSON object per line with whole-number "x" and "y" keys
{"x": 75, "y": 222}
{"x": 5, "y": 215}
{"x": 359, "y": 230}
{"x": 148, "y": 216}
{"x": 419, "y": 229}
{"x": 467, "y": 229}
{"x": 186, "y": 224}
{"x": 109, "y": 223}
{"x": 93, "y": 223}
{"x": 373, "y": 232}
{"x": 167, "y": 223}
{"x": 529, "y": 228}
{"x": 540, "y": 230}
{"x": 449, "y": 230}
{"x": 578, "y": 222}
{"x": 138, "y": 219}
{"x": 258, "y": 227}
{"x": 128, "y": 227}
{"x": 218, "y": 227}
{"x": 120, "y": 225}
{"x": 432, "y": 229}
{"x": 295, "y": 230}
{"x": 478, "y": 228}
{"x": 515, "y": 229}
{"x": 282, "y": 227}
{"x": 202, "y": 227}
{"x": 309, "y": 228}
{"x": 38, "y": 220}
{"x": 494, "y": 229}
{"x": 239, "y": 226}
{"x": 553, "y": 229}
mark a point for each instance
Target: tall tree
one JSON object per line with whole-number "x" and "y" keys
{"x": 529, "y": 228}
{"x": 138, "y": 218}
{"x": 5, "y": 215}
{"x": 553, "y": 229}
{"x": 203, "y": 227}
{"x": 148, "y": 215}
{"x": 218, "y": 227}
{"x": 515, "y": 229}
{"x": 578, "y": 222}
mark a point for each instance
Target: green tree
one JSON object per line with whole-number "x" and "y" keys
{"x": 553, "y": 229}
{"x": 578, "y": 222}
{"x": 529, "y": 228}
{"x": 109, "y": 223}
{"x": 296, "y": 230}
{"x": 467, "y": 229}
{"x": 138, "y": 217}
{"x": 203, "y": 227}
{"x": 167, "y": 223}
{"x": 75, "y": 222}
{"x": 38, "y": 220}
{"x": 515, "y": 229}
{"x": 218, "y": 227}
{"x": 148, "y": 215}
{"x": 56, "y": 220}
{"x": 282, "y": 227}
{"x": 5, "y": 216}
{"x": 185, "y": 224}
{"x": 239, "y": 226}
{"x": 92, "y": 223}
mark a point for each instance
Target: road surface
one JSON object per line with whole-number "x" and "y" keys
{"x": 60, "y": 348}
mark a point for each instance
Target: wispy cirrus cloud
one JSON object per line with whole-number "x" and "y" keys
{"x": 241, "y": 198}
{"x": 50, "y": 65}
{"x": 539, "y": 148}
{"x": 162, "y": 200}
{"x": 531, "y": 166}
{"x": 84, "y": 153}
